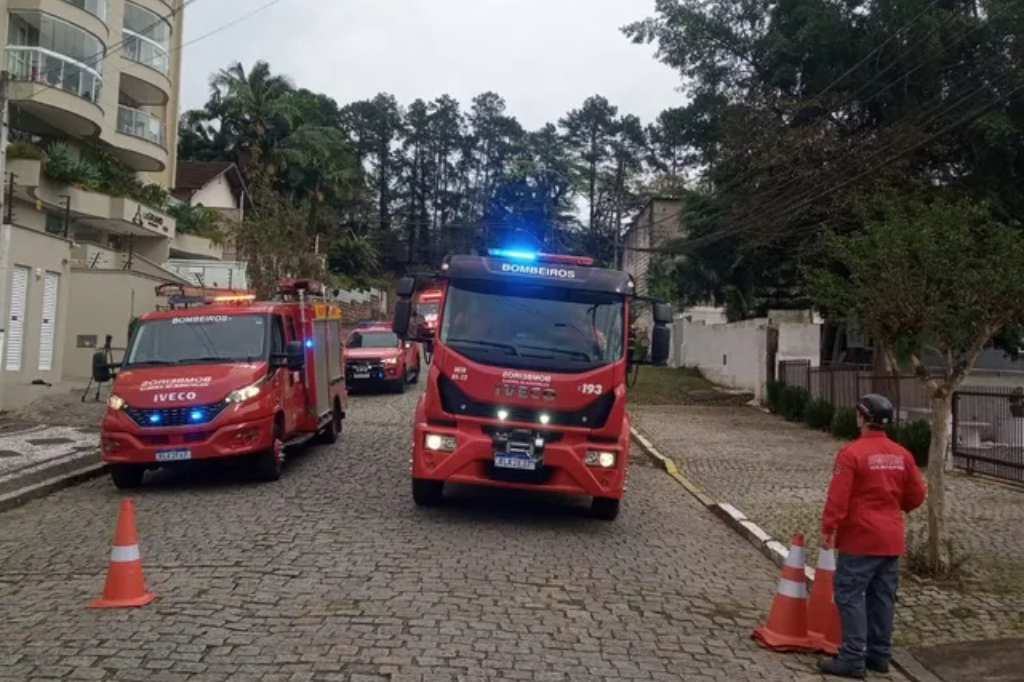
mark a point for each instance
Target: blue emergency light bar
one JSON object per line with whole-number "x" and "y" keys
{"x": 531, "y": 256}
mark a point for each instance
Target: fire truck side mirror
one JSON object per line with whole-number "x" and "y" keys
{"x": 293, "y": 358}
{"x": 403, "y": 315}
{"x": 660, "y": 344}
{"x": 406, "y": 287}
{"x": 662, "y": 313}
{"x": 101, "y": 371}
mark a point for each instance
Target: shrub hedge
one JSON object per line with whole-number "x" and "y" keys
{"x": 796, "y": 404}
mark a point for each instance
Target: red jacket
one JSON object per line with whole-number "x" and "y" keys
{"x": 874, "y": 482}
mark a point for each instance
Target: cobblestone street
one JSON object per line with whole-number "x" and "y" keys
{"x": 777, "y": 474}
{"x": 333, "y": 574}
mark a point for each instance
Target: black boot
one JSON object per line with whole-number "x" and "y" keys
{"x": 837, "y": 668}
{"x": 877, "y": 665}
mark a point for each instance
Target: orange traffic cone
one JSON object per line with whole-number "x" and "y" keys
{"x": 824, "y": 629}
{"x": 786, "y": 629}
{"x": 125, "y": 584}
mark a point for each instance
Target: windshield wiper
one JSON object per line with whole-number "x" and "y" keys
{"x": 487, "y": 344}
{"x": 151, "y": 363}
{"x": 572, "y": 353}
{"x": 211, "y": 358}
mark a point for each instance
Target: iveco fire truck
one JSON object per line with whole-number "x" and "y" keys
{"x": 225, "y": 377}
{"x": 528, "y": 385}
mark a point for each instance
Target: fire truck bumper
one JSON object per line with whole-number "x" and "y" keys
{"x": 569, "y": 465}
{"x": 186, "y": 444}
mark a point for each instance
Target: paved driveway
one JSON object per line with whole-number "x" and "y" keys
{"x": 333, "y": 574}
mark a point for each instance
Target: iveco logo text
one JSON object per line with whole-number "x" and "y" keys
{"x": 169, "y": 397}
{"x": 534, "y": 392}
{"x": 562, "y": 273}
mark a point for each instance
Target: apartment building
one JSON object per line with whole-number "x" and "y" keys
{"x": 89, "y": 221}
{"x": 660, "y": 221}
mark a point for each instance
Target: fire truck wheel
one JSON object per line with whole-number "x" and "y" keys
{"x": 268, "y": 463}
{"x": 605, "y": 508}
{"x": 127, "y": 476}
{"x": 398, "y": 385}
{"x": 416, "y": 374}
{"x": 426, "y": 493}
{"x": 329, "y": 434}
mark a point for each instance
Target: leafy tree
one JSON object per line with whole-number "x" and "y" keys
{"x": 935, "y": 279}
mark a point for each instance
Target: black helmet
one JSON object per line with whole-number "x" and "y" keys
{"x": 876, "y": 409}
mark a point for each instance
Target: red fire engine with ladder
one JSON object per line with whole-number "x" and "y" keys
{"x": 532, "y": 354}
{"x": 212, "y": 378}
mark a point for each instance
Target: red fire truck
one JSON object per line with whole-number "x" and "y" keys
{"x": 528, "y": 385}
{"x": 225, "y": 377}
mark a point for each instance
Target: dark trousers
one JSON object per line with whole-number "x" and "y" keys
{"x": 865, "y": 593}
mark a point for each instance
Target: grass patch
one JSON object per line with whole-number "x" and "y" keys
{"x": 667, "y": 385}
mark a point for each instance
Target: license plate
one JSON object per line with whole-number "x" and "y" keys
{"x": 361, "y": 375}
{"x": 179, "y": 455}
{"x": 514, "y": 461}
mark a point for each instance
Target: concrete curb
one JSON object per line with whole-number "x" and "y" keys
{"x": 755, "y": 535}
{"x": 66, "y": 479}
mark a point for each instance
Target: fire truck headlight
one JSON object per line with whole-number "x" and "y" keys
{"x": 243, "y": 394}
{"x": 115, "y": 402}
{"x": 605, "y": 460}
{"x": 502, "y": 415}
{"x": 545, "y": 419}
{"x": 439, "y": 443}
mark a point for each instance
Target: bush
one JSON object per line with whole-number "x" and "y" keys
{"x": 773, "y": 390}
{"x": 19, "y": 149}
{"x": 818, "y": 414}
{"x": 794, "y": 400}
{"x": 915, "y": 436}
{"x": 844, "y": 423}
{"x": 63, "y": 165}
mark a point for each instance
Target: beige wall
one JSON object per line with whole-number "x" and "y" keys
{"x": 216, "y": 194}
{"x": 104, "y": 302}
{"x": 40, "y": 253}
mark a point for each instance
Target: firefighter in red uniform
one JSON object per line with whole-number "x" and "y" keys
{"x": 875, "y": 481}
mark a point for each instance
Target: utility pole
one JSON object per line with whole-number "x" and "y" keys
{"x": 4, "y": 77}
{"x": 5, "y": 231}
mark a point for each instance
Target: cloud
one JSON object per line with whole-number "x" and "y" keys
{"x": 544, "y": 56}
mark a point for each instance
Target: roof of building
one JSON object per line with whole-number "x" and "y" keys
{"x": 192, "y": 176}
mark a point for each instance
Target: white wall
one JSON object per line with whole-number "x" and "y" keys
{"x": 736, "y": 354}
{"x": 216, "y": 194}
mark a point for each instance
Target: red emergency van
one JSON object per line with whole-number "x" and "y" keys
{"x": 225, "y": 377}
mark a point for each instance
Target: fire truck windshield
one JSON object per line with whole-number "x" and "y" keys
{"x": 198, "y": 338}
{"x": 533, "y": 327}
{"x": 372, "y": 339}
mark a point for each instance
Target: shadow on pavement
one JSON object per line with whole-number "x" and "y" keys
{"x": 997, "y": 660}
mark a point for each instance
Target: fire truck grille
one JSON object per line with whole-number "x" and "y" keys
{"x": 174, "y": 416}
{"x": 592, "y": 416}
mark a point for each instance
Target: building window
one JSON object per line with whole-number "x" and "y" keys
{"x": 97, "y": 8}
{"x": 44, "y": 49}
{"x": 147, "y": 38}
{"x": 55, "y": 223}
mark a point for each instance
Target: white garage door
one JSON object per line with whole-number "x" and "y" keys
{"x": 47, "y": 326}
{"x": 16, "y": 323}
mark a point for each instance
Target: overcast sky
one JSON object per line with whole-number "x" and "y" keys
{"x": 543, "y": 56}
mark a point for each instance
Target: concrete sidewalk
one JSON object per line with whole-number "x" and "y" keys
{"x": 50, "y": 444}
{"x": 776, "y": 474}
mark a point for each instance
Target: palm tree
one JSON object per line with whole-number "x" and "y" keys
{"x": 255, "y": 107}
{"x": 319, "y": 163}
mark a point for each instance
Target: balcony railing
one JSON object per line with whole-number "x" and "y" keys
{"x": 39, "y": 65}
{"x": 97, "y": 8}
{"x": 138, "y": 123}
{"x": 145, "y": 51}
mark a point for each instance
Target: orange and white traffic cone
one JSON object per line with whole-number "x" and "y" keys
{"x": 125, "y": 584}
{"x": 824, "y": 629}
{"x": 786, "y": 629}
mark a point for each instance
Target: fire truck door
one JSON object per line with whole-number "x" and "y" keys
{"x": 288, "y": 384}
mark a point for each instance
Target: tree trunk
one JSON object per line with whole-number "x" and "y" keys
{"x": 938, "y": 557}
